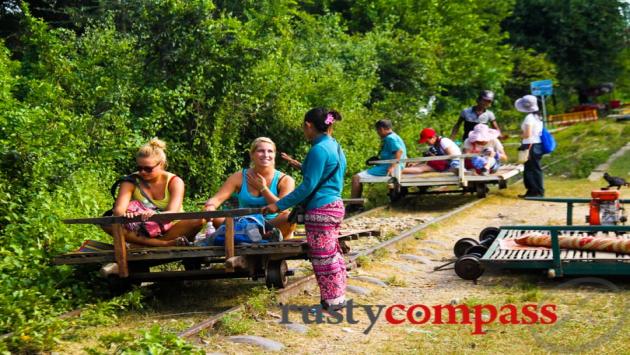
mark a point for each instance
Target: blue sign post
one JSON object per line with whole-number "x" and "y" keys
{"x": 542, "y": 88}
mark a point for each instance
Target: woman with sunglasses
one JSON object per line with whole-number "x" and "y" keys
{"x": 159, "y": 191}
{"x": 257, "y": 186}
{"x": 320, "y": 191}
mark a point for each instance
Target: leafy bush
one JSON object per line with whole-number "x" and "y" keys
{"x": 235, "y": 323}
{"x": 582, "y": 142}
{"x": 152, "y": 341}
{"x": 77, "y": 99}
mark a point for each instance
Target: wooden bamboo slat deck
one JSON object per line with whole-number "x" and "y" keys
{"x": 524, "y": 253}
{"x": 289, "y": 248}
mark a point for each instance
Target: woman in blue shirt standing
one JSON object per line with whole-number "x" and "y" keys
{"x": 320, "y": 192}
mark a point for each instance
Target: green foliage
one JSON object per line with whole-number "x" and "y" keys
{"x": 395, "y": 281}
{"x": 152, "y": 341}
{"x": 106, "y": 312}
{"x": 621, "y": 166}
{"x": 235, "y": 323}
{"x": 528, "y": 66}
{"x": 77, "y": 98}
{"x": 583, "y": 143}
{"x": 258, "y": 301}
{"x": 584, "y": 38}
{"x": 43, "y": 331}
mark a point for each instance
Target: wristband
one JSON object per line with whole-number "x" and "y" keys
{"x": 263, "y": 189}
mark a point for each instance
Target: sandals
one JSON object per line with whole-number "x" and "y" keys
{"x": 332, "y": 307}
{"x": 182, "y": 242}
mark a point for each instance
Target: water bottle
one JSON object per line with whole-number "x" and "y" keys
{"x": 253, "y": 233}
{"x": 204, "y": 237}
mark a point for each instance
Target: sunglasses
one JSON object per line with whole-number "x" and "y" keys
{"x": 147, "y": 169}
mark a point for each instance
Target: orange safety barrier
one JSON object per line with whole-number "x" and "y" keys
{"x": 567, "y": 119}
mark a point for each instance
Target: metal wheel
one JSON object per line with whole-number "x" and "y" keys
{"x": 476, "y": 250}
{"x": 345, "y": 248}
{"x": 481, "y": 190}
{"x": 488, "y": 235}
{"x": 191, "y": 265}
{"x": 118, "y": 286}
{"x": 396, "y": 192}
{"x": 394, "y": 195}
{"x": 462, "y": 245}
{"x": 469, "y": 267}
{"x": 422, "y": 189}
{"x": 276, "y": 274}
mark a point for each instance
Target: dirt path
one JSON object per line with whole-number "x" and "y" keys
{"x": 412, "y": 282}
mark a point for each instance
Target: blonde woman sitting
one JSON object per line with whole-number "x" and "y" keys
{"x": 258, "y": 186}
{"x": 153, "y": 190}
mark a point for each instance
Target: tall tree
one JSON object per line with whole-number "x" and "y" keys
{"x": 585, "y": 38}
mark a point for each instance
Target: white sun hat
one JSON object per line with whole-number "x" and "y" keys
{"x": 527, "y": 103}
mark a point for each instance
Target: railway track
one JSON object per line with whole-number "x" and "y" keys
{"x": 299, "y": 285}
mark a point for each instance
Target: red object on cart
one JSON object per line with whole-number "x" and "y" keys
{"x": 604, "y": 208}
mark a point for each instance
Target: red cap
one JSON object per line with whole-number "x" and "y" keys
{"x": 426, "y": 134}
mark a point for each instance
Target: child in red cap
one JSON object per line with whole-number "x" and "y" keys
{"x": 437, "y": 146}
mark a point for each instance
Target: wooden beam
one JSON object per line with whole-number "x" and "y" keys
{"x": 229, "y": 242}
{"x": 166, "y": 217}
{"x": 423, "y": 159}
{"x": 120, "y": 250}
{"x": 353, "y": 201}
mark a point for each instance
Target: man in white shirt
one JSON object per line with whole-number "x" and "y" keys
{"x": 474, "y": 115}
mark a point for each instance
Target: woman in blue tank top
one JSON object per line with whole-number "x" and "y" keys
{"x": 257, "y": 186}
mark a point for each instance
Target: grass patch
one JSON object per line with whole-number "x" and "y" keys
{"x": 590, "y": 144}
{"x": 395, "y": 281}
{"x": 406, "y": 247}
{"x": 235, "y": 324}
{"x": 258, "y": 301}
{"x": 381, "y": 254}
{"x": 152, "y": 341}
{"x": 621, "y": 166}
{"x": 363, "y": 261}
{"x": 589, "y": 320}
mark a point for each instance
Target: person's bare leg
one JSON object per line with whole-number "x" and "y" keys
{"x": 217, "y": 222}
{"x": 185, "y": 228}
{"x": 108, "y": 229}
{"x": 357, "y": 187}
{"x": 132, "y": 237}
{"x": 417, "y": 169}
{"x": 282, "y": 223}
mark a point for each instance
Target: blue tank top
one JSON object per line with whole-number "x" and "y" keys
{"x": 246, "y": 200}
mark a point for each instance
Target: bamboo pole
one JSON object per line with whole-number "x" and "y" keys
{"x": 229, "y": 241}
{"x": 120, "y": 250}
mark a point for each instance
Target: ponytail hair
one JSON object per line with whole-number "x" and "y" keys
{"x": 322, "y": 118}
{"x": 154, "y": 148}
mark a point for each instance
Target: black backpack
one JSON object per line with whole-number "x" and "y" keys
{"x": 132, "y": 178}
